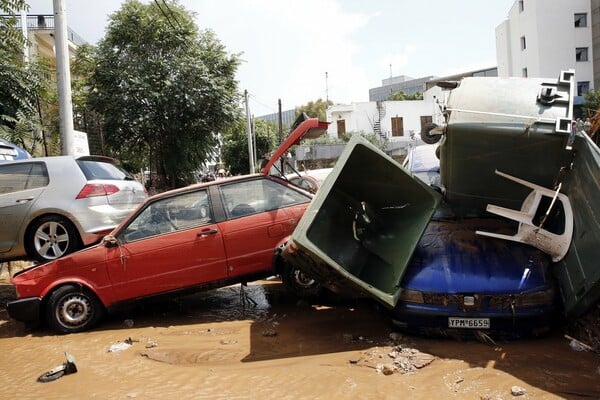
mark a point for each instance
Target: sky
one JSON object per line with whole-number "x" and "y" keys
{"x": 301, "y": 51}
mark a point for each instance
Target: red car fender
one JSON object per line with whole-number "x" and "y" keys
{"x": 105, "y": 296}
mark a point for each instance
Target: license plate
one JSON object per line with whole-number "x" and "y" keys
{"x": 469, "y": 323}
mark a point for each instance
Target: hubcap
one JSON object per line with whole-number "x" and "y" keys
{"x": 51, "y": 240}
{"x": 74, "y": 310}
{"x": 302, "y": 279}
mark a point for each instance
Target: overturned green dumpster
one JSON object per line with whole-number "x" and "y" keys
{"x": 360, "y": 231}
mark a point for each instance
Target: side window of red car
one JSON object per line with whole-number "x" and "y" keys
{"x": 258, "y": 195}
{"x": 179, "y": 212}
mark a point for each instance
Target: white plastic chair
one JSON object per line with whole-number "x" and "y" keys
{"x": 555, "y": 245}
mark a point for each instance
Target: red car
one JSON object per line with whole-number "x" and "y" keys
{"x": 202, "y": 236}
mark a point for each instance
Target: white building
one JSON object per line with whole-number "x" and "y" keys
{"x": 541, "y": 37}
{"x": 392, "y": 120}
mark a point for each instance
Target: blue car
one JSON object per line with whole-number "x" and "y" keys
{"x": 10, "y": 151}
{"x": 458, "y": 284}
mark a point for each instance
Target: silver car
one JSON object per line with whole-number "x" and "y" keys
{"x": 51, "y": 206}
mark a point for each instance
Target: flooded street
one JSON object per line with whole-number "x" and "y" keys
{"x": 217, "y": 345}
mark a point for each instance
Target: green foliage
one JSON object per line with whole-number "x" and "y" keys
{"x": 22, "y": 83}
{"x": 315, "y": 109}
{"x": 592, "y": 103}
{"x": 163, "y": 89}
{"x": 12, "y": 38}
{"x": 234, "y": 150}
{"x": 401, "y": 96}
{"x": 372, "y": 138}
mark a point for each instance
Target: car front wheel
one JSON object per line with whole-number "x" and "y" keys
{"x": 72, "y": 308}
{"x": 51, "y": 237}
{"x": 300, "y": 283}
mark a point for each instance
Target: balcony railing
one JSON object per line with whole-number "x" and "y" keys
{"x": 46, "y": 22}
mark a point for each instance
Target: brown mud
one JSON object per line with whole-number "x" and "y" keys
{"x": 216, "y": 345}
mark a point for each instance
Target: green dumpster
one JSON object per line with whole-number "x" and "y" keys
{"x": 362, "y": 227}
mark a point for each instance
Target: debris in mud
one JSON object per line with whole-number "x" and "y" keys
{"x": 397, "y": 359}
{"x": 585, "y": 331}
{"x": 65, "y": 369}
{"x": 124, "y": 345}
{"x": 518, "y": 391}
{"x": 269, "y": 333}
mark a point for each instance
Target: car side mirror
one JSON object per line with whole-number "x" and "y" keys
{"x": 110, "y": 241}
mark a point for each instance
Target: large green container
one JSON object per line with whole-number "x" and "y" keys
{"x": 362, "y": 227}
{"x": 514, "y": 125}
{"x": 579, "y": 272}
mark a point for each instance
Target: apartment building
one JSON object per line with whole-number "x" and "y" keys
{"x": 540, "y": 38}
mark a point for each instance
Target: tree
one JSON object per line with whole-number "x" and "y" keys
{"x": 163, "y": 89}
{"x": 401, "y": 96}
{"x": 592, "y": 103}
{"x": 316, "y": 109}
{"x": 22, "y": 83}
{"x": 234, "y": 151}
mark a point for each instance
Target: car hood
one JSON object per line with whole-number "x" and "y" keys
{"x": 359, "y": 232}
{"x": 452, "y": 258}
{"x": 310, "y": 128}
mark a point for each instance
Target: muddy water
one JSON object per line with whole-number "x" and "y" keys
{"x": 217, "y": 345}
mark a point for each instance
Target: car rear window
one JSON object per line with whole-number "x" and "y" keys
{"x": 94, "y": 169}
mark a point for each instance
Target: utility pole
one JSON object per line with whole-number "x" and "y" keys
{"x": 326, "y": 88}
{"x": 279, "y": 116}
{"x": 249, "y": 131}
{"x": 63, "y": 78}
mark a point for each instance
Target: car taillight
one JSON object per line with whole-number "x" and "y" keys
{"x": 97, "y": 189}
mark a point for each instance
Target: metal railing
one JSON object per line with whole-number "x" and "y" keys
{"x": 45, "y": 22}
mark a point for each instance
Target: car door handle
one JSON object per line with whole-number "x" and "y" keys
{"x": 207, "y": 232}
{"x": 25, "y": 200}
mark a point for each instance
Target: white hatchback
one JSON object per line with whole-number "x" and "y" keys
{"x": 51, "y": 206}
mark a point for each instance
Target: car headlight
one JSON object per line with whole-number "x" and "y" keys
{"x": 412, "y": 296}
{"x": 540, "y": 298}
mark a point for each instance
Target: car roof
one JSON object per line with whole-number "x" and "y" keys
{"x": 423, "y": 158}
{"x": 11, "y": 149}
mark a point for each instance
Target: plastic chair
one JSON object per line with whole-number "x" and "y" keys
{"x": 555, "y": 245}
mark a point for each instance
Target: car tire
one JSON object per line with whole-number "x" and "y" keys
{"x": 73, "y": 308}
{"x": 426, "y": 135}
{"x": 51, "y": 237}
{"x": 299, "y": 283}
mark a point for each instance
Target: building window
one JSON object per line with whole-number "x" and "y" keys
{"x": 524, "y": 72}
{"x": 580, "y": 20}
{"x": 581, "y": 54}
{"x": 521, "y": 5}
{"x": 397, "y": 126}
{"x": 582, "y": 88}
{"x": 523, "y": 43}
{"x": 341, "y": 127}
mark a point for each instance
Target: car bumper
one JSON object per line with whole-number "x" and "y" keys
{"x": 503, "y": 324}
{"x": 26, "y": 310}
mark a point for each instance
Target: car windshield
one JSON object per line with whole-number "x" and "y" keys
{"x": 94, "y": 169}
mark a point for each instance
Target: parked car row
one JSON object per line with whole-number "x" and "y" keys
{"x": 203, "y": 236}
